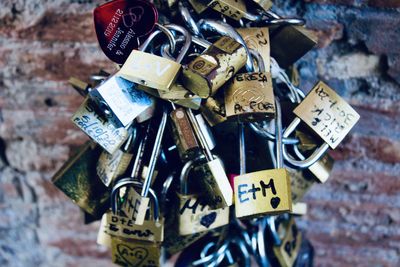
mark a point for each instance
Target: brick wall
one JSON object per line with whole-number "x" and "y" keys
{"x": 353, "y": 219}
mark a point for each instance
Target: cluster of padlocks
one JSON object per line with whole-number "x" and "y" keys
{"x": 201, "y": 141}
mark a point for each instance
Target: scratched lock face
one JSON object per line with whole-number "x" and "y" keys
{"x": 135, "y": 253}
{"x": 262, "y": 193}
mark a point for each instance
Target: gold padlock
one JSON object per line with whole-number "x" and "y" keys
{"x": 100, "y": 130}
{"x": 194, "y": 214}
{"x": 213, "y": 110}
{"x": 327, "y": 114}
{"x": 215, "y": 66}
{"x": 300, "y": 184}
{"x": 150, "y": 70}
{"x": 284, "y": 38}
{"x": 234, "y": 9}
{"x": 250, "y": 96}
{"x": 77, "y": 179}
{"x": 288, "y": 249}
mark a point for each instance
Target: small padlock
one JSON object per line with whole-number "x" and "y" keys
{"x": 234, "y": 9}
{"x": 150, "y": 70}
{"x": 120, "y": 101}
{"x": 111, "y": 166}
{"x": 215, "y": 66}
{"x": 152, "y": 229}
{"x": 258, "y": 39}
{"x": 96, "y": 127}
{"x": 263, "y": 192}
{"x": 214, "y": 179}
{"x": 194, "y": 214}
{"x": 135, "y": 204}
{"x": 77, "y": 179}
{"x": 250, "y": 96}
{"x": 213, "y": 110}
{"x": 287, "y": 250}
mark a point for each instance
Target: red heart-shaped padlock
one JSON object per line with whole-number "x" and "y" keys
{"x": 121, "y": 25}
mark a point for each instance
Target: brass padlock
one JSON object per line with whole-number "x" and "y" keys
{"x": 234, "y": 9}
{"x": 214, "y": 179}
{"x": 100, "y": 130}
{"x": 290, "y": 242}
{"x": 262, "y": 192}
{"x": 300, "y": 184}
{"x": 250, "y": 96}
{"x": 213, "y": 110}
{"x": 77, "y": 179}
{"x": 111, "y": 166}
{"x": 284, "y": 38}
{"x": 194, "y": 214}
{"x": 327, "y": 114}
{"x": 135, "y": 205}
{"x": 183, "y": 134}
{"x": 152, "y": 229}
{"x": 150, "y": 70}
{"x": 214, "y": 67}
{"x": 258, "y": 39}
{"x": 120, "y": 101}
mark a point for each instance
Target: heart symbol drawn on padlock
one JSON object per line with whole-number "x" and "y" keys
{"x": 122, "y": 25}
{"x": 208, "y": 219}
{"x": 275, "y": 202}
{"x": 132, "y": 256}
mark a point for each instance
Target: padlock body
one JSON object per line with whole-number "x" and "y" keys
{"x": 123, "y": 227}
{"x": 121, "y": 99}
{"x": 300, "y": 184}
{"x": 135, "y": 253}
{"x": 150, "y": 70}
{"x": 196, "y": 216}
{"x": 262, "y": 193}
{"x": 209, "y": 71}
{"x": 213, "y": 110}
{"x": 100, "y": 130}
{"x": 216, "y": 184}
{"x": 77, "y": 179}
{"x": 288, "y": 250}
{"x": 327, "y": 114}
{"x": 322, "y": 168}
{"x": 111, "y": 166}
{"x": 234, "y": 9}
{"x": 250, "y": 97}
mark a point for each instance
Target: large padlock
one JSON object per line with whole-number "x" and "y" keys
{"x": 194, "y": 214}
{"x": 250, "y": 96}
{"x": 263, "y": 192}
{"x": 78, "y": 180}
{"x": 152, "y": 229}
{"x": 150, "y": 70}
{"x": 120, "y": 101}
{"x": 135, "y": 204}
{"x": 102, "y": 131}
{"x": 214, "y": 179}
{"x": 214, "y": 67}
{"x": 111, "y": 166}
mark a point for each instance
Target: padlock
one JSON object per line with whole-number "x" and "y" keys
{"x": 258, "y": 39}
{"x": 183, "y": 134}
{"x": 234, "y": 9}
{"x": 152, "y": 229}
{"x": 213, "y": 110}
{"x": 77, "y": 179}
{"x": 150, "y": 70}
{"x": 199, "y": 5}
{"x": 111, "y": 166}
{"x": 120, "y": 101}
{"x": 100, "y": 130}
{"x": 135, "y": 204}
{"x": 194, "y": 214}
{"x": 287, "y": 250}
{"x": 250, "y": 96}
{"x": 214, "y": 179}
{"x": 283, "y": 38}
{"x": 214, "y": 67}
{"x": 300, "y": 184}
{"x": 328, "y": 115}
{"x": 263, "y": 192}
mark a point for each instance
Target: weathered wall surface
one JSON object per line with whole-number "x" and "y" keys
{"x": 353, "y": 220}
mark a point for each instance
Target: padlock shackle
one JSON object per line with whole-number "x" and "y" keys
{"x": 304, "y": 163}
{"x": 187, "y": 40}
{"x": 200, "y": 135}
{"x": 260, "y": 61}
{"x": 129, "y": 182}
{"x": 271, "y": 137}
{"x": 225, "y": 29}
{"x": 183, "y": 177}
{"x": 278, "y": 134}
{"x": 275, "y": 19}
{"x": 242, "y": 149}
{"x": 188, "y": 19}
{"x": 214, "y": 258}
{"x": 154, "y": 34}
{"x": 164, "y": 192}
